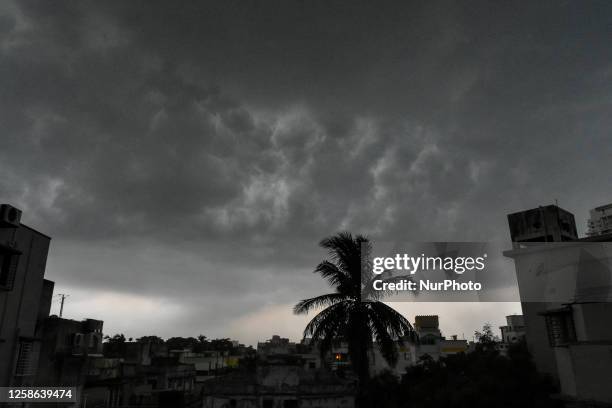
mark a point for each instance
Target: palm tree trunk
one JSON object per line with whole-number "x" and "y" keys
{"x": 363, "y": 374}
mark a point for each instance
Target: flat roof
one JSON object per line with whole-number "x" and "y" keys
{"x": 603, "y": 207}
{"x": 542, "y": 207}
{"x": 534, "y": 247}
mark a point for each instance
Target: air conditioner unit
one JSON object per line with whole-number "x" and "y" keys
{"x": 9, "y": 216}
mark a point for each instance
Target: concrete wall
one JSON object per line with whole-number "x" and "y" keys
{"x": 584, "y": 371}
{"x": 588, "y": 319}
{"x": 571, "y": 277}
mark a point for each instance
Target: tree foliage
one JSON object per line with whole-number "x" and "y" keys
{"x": 150, "y": 339}
{"x": 482, "y": 378}
{"x": 116, "y": 339}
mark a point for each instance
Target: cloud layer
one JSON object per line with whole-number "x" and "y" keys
{"x": 197, "y": 153}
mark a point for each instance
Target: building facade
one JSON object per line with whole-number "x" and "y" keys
{"x": 25, "y": 297}
{"x": 600, "y": 221}
{"x": 567, "y": 329}
{"x": 514, "y": 330}
{"x": 280, "y": 384}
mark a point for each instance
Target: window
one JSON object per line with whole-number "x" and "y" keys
{"x": 560, "y": 327}
{"x": 8, "y": 269}
{"x": 93, "y": 341}
{"x": 25, "y": 359}
{"x": 428, "y": 339}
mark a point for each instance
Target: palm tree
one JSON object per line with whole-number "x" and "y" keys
{"x": 347, "y": 316}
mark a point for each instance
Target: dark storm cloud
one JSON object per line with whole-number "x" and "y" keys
{"x": 204, "y": 148}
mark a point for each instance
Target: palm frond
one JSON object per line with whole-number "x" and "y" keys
{"x": 334, "y": 276}
{"x": 328, "y": 326}
{"x": 346, "y": 256}
{"x": 397, "y": 325}
{"x": 319, "y": 322}
{"x": 306, "y": 305}
{"x": 344, "y": 251}
{"x": 384, "y": 338}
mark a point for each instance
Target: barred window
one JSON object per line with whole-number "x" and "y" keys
{"x": 26, "y": 359}
{"x": 560, "y": 327}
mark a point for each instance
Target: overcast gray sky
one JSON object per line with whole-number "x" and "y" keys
{"x": 187, "y": 158}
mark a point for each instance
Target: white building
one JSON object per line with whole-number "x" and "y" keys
{"x": 514, "y": 330}
{"x": 601, "y": 220}
{"x": 208, "y": 364}
{"x": 565, "y": 289}
{"x": 276, "y": 345}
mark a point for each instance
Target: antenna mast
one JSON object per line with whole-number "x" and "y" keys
{"x": 63, "y": 298}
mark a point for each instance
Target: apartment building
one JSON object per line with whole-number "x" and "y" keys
{"x": 565, "y": 284}
{"x": 25, "y": 297}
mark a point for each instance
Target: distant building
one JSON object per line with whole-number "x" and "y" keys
{"x": 208, "y": 364}
{"x": 25, "y": 297}
{"x": 512, "y": 333}
{"x": 570, "y": 338}
{"x": 304, "y": 354}
{"x": 429, "y": 341}
{"x": 140, "y": 374}
{"x": 279, "y": 385}
{"x": 514, "y": 330}
{"x": 135, "y": 352}
{"x": 427, "y": 329}
{"x": 276, "y": 345}
{"x": 600, "y": 222}
{"x": 67, "y": 347}
{"x": 128, "y": 374}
